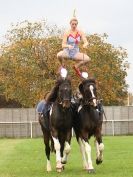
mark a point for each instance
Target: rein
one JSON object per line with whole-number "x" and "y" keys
{"x": 92, "y": 98}
{"x": 61, "y": 102}
{"x": 86, "y": 102}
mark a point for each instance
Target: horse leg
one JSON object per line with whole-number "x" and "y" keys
{"x": 99, "y": 148}
{"x": 88, "y": 153}
{"x": 57, "y": 147}
{"x": 82, "y": 149}
{"x": 67, "y": 150}
{"x": 62, "y": 142}
{"x": 47, "y": 151}
{"x": 67, "y": 147}
{"x": 62, "y": 149}
{"x": 46, "y": 136}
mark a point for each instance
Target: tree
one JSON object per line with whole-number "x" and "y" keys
{"x": 24, "y": 61}
{"x": 108, "y": 66}
{"x": 29, "y": 64}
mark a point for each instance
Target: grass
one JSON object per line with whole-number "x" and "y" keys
{"x": 25, "y": 158}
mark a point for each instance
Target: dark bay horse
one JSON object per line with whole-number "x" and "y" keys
{"x": 57, "y": 125}
{"x": 87, "y": 122}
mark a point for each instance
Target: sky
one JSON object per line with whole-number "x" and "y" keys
{"x": 113, "y": 17}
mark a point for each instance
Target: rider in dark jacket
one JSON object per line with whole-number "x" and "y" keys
{"x": 45, "y": 104}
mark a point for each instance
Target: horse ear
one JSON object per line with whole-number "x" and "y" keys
{"x": 81, "y": 88}
{"x": 92, "y": 80}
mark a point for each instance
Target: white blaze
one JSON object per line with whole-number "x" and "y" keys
{"x": 51, "y": 110}
{"x": 94, "y": 100}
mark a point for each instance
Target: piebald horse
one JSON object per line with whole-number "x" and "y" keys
{"x": 87, "y": 122}
{"x": 57, "y": 125}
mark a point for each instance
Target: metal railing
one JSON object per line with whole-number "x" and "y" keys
{"x": 111, "y": 129}
{"x": 113, "y": 124}
{"x": 24, "y": 122}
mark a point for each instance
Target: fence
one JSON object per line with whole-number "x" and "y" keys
{"x": 24, "y": 122}
{"x": 19, "y": 123}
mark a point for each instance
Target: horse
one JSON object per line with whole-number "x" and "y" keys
{"x": 57, "y": 126}
{"x": 88, "y": 122}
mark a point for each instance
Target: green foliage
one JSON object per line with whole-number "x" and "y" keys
{"x": 29, "y": 64}
{"x": 108, "y": 67}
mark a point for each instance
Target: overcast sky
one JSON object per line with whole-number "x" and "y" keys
{"x": 114, "y": 17}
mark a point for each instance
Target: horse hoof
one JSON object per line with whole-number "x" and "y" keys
{"x": 91, "y": 171}
{"x": 86, "y": 168}
{"x": 59, "y": 170}
{"x": 59, "y": 167}
{"x": 49, "y": 171}
{"x": 63, "y": 167}
{"x": 98, "y": 162}
{"x": 64, "y": 162}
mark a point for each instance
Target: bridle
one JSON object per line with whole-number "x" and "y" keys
{"x": 92, "y": 98}
{"x": 89, "y": 101}
{"x": 61, "y": 100}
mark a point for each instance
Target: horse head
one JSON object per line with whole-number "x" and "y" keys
{"x": 65, "y": 93}
{"x": 88, "y": 91}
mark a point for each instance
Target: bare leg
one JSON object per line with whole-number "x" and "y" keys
{"x": 82, "y": 59}
{"x": 62, "y": 55}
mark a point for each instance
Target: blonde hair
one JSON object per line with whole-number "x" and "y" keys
{"x": 74, "y": 17}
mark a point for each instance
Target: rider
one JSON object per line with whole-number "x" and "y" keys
{"x": 70, "y": 45}
{"x": 44, "y": 105}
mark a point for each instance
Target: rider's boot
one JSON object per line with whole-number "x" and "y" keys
{"x": 100, "y": 106}
{"x": 61, "y": 67}
{"x": 78, "y": 72}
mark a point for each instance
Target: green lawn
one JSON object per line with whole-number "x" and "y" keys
{"x": 25, "y": 158}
